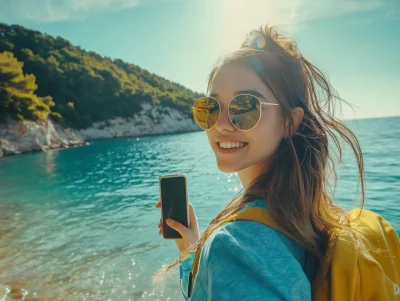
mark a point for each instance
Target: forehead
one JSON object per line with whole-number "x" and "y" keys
{"x": 235, "y": 77}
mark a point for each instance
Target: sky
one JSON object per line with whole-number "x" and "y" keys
{"x": 354, "y": 42}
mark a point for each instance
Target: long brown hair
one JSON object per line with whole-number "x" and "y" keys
{"x": 299, "y": 184}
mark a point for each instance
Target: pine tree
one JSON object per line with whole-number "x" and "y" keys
{"x": 17, "y": 97}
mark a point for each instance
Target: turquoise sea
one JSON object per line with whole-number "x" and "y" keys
{"x": 80, "y": 224}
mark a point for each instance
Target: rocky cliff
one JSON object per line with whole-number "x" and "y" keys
{"x": 27, "y": 136}
{"x": 151, "y": 120}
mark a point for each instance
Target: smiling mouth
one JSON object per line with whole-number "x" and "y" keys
{"x": 232, "y": 145}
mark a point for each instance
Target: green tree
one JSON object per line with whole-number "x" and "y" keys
{"x": 17, "y": 97}
{"x": 99, "y": 87}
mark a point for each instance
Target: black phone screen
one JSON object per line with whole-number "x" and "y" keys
{"x": 174, "y": 203}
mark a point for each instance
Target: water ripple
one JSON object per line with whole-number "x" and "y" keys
{"x": 80, "y": 224}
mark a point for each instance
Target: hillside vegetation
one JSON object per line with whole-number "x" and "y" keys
{"x": 42, "y": 76}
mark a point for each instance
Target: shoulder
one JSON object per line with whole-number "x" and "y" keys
{"x": 252, "y": 239}
{"x": 247, "y": 260}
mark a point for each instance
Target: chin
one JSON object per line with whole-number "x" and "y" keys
{"x": 228, "y": 167}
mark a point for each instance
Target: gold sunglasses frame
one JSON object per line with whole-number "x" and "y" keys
{"x": 219, "y": 107}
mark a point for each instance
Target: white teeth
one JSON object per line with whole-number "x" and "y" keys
{"x": 231, "y": 144}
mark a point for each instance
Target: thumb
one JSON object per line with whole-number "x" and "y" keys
{"x": 177, "y": 226}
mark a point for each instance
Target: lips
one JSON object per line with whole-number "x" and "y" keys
{"x": 229, "y": 145}
{"x": 228, "y": 139}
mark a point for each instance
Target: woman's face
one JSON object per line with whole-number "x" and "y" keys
{"x": 260, "y": 142}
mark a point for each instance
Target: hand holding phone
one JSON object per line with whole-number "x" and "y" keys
{"x": 178, "y": 220}
{"x": 174, "y": 203}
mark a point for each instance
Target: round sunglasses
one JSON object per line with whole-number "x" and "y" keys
{"x": 244, "y": 111}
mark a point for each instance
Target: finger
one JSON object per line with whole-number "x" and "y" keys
{"x": 181, "y": 229}
{"x": 158, "y": 205}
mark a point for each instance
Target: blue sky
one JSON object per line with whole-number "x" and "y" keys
{"x": 355, "y": 42}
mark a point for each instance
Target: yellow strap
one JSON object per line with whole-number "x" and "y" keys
{"x": 261, "y": 215}
{"x": 196, "y": 260}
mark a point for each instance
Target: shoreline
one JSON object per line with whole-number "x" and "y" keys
{"x": 20, "y": 137}
{"x": 89, "y": 142}
{"x": 46, "y": 135}
{"x": 46, "y": 149}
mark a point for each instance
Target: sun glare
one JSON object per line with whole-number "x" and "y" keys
{"x": 239, "y": 17}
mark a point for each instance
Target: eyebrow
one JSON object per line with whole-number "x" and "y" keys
{"x": 251, "y": 92}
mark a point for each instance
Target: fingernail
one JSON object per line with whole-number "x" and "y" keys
{"x": 169, "y": 222}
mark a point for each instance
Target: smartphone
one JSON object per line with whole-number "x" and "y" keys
{"x": 174, "y": 202}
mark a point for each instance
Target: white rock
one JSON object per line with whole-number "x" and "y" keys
{"x": 26, "y": 136}
{"x": 151, "y": 120}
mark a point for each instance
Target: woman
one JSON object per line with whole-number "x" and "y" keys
{"x": 268, "y": 117}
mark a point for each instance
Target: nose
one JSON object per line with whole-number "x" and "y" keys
{"x": 223, "y": 123}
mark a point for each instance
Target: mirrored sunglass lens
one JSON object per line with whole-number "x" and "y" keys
{"x": 244, "y": 111}
{"x": 206, "y": 112}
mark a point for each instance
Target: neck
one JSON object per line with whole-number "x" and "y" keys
{"x": 249, "y": 174}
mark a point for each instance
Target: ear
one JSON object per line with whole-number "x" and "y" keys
{"x": 297, "y": 115}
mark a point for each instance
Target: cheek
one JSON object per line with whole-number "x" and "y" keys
{"x": 268, "y": 133}
{"x": 211, "y": 137}
{"x": 208, "y": 133}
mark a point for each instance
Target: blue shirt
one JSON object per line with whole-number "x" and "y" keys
{"x": 247, "y": 260}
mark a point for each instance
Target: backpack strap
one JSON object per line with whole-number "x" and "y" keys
{"x": 263, "y": 216}
{"x": 257, "y": 214}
